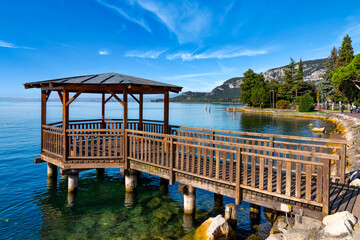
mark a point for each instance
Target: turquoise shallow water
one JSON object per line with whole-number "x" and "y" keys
{"x": 30, "y": 208}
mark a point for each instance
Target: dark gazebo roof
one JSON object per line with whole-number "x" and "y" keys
{"x": 103, "y": 82}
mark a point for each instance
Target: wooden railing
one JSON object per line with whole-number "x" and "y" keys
{"x": 95, "y": 144}
{"x": 52, "y": 140}
{"x": 291, "y": 143}
{"x": 263, "y": 169}
{"x": 295, "y": 143}
{"x": 293, "y": 168}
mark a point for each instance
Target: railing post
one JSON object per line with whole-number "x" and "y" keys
{"x": 238, "y": 191}
{"x": 326, "y": 188}
{"x": 342, "y": 163}
{"x": 271, "y": 144}
{"x": 212, "y": 138}
{"x": 125, "y": 151}
{"x": 171, "y": 163}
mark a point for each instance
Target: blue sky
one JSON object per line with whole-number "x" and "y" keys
{"x": 195, "y": 44}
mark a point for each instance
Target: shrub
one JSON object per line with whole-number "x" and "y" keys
{"x": 306, "y": 103}
{"x": 357, "y": 103}
{"x": 282, "y": 104}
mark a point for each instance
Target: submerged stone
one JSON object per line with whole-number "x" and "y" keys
{"x": 154, "y": 202}
{"x": 163, "y": 215}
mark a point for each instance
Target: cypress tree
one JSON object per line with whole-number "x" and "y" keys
{"x": 300, "y": 72}
{"x": 299, "y": 80}
{"x": 346, "y": 52}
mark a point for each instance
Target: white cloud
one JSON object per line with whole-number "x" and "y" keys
{"x": 11, "y": 45}
{"x": 227, "y": 52}
{"x": 353, "y": 31}
{"x": 104, "y": 52}
{"x": 129, "y": 13}
{"x": 153, "y": 54}
{"x": 185, "y": 18}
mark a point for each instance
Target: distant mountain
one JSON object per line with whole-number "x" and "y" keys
{"x": 229, "y": 91}
{"x": 313, "y": 71}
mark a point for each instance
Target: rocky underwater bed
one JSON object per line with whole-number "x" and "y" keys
{"x": 102, "y": 210}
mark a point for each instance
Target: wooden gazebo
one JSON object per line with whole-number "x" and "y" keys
{"x": 66, "y": 144}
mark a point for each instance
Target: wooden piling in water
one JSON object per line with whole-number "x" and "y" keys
{"x": 130, "y": 180}
{"x": 73, "y": 179}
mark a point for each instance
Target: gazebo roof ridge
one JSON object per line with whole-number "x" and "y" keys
{"x": 111, "y": 78}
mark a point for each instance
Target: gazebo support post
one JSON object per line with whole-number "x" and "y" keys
{"x": 65, "y": 122}
{"x": 141, "y": 106}
{"x": 166, "y": 112}
{"x": 125, "y": 110}
{"x": 44, "y": 97}
{"x": 125, "y": 125}
{"x": 103, "y": 110}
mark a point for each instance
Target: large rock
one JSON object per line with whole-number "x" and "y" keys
{"x": 276, "y": 236}
{"x": 355, "y": 183}
{"x": 281, "y": 224}
{"x": 214, "y": 229}
{"x": 271, "y": 215}
{"x": 294, "y": 234}
{"x": 340, "y": 224}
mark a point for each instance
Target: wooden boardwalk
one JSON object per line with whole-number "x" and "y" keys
{"x": 286, "y": 173}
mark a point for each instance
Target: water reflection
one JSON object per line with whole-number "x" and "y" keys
{"x": 267, "y": 123}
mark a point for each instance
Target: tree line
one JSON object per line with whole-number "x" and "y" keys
{"x": 340, "y": 82}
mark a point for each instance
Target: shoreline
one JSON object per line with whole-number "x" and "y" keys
{"x": 347, "y": 126}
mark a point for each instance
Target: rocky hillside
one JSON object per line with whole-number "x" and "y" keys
{"x": 313, "y": 71}
{"x": 229, "y": 91}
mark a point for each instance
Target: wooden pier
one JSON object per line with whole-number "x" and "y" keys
{"x": 299, "y": 175}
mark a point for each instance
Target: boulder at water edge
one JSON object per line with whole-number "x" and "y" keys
{"x": 355, "y": 183}
{"x": 214, "y": 229}
{"x": 340, "y": 224}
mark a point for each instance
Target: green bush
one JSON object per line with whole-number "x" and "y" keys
{"x": 306, "y": 103}
{"x": 283, "y": 104}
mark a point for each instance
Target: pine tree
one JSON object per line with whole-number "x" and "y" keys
{"x": 330, "y": 64}
{"x": 326, "y": 86}
{"x": 347, "y": 79}
{"x": 346, "y": 52}
{"x": 287, "y": 84}
{"x": 252, "y": 81}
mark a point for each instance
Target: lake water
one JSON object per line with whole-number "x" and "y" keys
{"x": 32, "y": 209}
